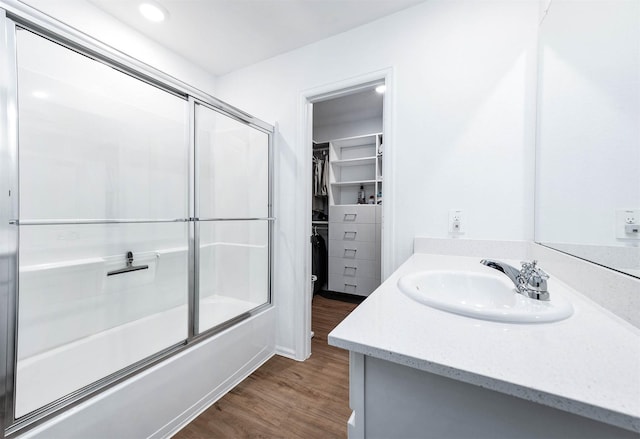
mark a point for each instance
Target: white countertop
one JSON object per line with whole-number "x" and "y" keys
{"x": 588, "y": 364}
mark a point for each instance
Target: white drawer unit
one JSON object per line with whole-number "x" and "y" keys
{"x": 360, "y": 286}
{"x": 352, "y": 232}
{"x": 354, "y": 267}
{"x": 353, "y": 214}
{"x": 354, "y": 248}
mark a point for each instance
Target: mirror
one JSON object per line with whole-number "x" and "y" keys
{"x": 588, "y": 131}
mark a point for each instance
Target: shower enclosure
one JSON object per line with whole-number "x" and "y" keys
{"x": 136, "y": 217}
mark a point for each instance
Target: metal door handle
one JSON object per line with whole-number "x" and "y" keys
{"x": 350, "y": 215}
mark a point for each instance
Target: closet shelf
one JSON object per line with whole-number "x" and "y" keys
{"x": 354, "y": 162}
{"x": 355, "y": 142}
{"x": 352, "y": 183}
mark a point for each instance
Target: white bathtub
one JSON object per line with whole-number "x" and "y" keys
{"x": 47, "y": 376}
{"x": 77, "y": 325}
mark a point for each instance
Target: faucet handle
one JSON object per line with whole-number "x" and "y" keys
{"x": 526, "y": 265}
{"x": 537, "y": 282}
{"x": 528, "y": 268}
{"x": 542, "y": 273}
{"x": 533, "y": 277}
{"x": 539, "y": 271}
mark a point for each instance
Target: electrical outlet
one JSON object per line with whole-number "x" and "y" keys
{"x": 456, "y": 222}
{"x": 628, "y": 224}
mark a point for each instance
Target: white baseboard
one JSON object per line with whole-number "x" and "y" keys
{"x": 286, "y": 352}
{"x": 180, "y": 421}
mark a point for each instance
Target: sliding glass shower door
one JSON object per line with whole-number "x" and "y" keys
{"x": 142, "y": 222}
{"x": 232, "y": 210}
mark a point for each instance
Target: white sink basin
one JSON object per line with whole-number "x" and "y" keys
{"x": 482, "y": 296}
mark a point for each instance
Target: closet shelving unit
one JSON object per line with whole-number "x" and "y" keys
{"x": 354, "y": 229}
{"x": 355, "y": 162}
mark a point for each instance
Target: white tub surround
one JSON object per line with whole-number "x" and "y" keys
{"x": 587, "y": 365}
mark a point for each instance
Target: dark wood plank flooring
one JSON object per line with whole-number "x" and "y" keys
{"x": 286, "y": 398}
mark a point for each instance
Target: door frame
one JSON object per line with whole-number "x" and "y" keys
{"x": 305, "y": 129}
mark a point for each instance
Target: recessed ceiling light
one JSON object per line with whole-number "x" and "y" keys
{"x": 40, "y": 94}
{"x": 153, "y": 11}
{"x": 381, "y": 88}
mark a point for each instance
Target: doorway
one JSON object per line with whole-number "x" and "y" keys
{"x": 346, "y": 127}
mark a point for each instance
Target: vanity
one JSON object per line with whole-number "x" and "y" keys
{"x": 419, "y": 371}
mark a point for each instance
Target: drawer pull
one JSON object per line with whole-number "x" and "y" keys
{"x": 350, "y": 236}
{"x": 350, "y": 268}
{"x": 350, "y": 286}
{"x": 350, "y": 216}
{"x": 350, "y": 252}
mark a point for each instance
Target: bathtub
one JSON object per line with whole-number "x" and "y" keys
{"x": 77, "y": 325}
{"x": 47, "y": 376}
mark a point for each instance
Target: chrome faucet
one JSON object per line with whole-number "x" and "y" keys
{"x": 530, "y": 281}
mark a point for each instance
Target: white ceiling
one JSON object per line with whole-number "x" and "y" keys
{"x": 225, "y": 35}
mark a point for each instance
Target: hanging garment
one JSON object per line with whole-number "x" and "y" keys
{"x": 319, "y": 259}
{"x": 317, "y": 176}
{"x": 324, "y": 181}
{"x": 321, "y": 175}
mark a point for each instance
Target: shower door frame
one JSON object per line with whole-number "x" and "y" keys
{"x": 14, "y": 15}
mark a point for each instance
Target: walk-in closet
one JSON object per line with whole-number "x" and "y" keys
{"x": 348, "y": 151}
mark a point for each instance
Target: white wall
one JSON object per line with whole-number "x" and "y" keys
{"x": 91, "y": 20}
{"x": 463, "y": 122}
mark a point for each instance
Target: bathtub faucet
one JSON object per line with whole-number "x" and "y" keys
{"x": 530, "y": 281}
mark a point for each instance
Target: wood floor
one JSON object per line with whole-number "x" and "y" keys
{"x": 286, "y": 398}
